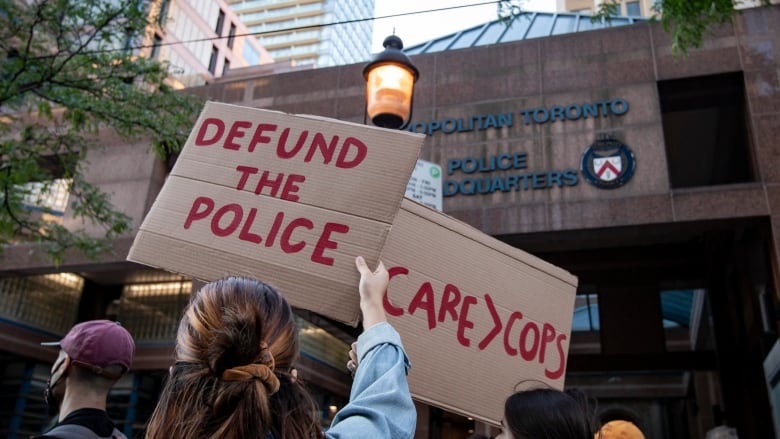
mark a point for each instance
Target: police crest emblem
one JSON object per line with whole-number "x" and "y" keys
{"x": 608, "y": 163}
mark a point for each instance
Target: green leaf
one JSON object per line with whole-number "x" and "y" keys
{"x": 67, "y": 75}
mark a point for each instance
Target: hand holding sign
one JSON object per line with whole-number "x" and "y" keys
{"x": 372, "y": 288}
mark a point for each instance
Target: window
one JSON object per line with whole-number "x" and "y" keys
{"x": 705, "y": 130}
{"x": 586, "y": 313}
{"x": 231, "y": 35}
{"x": 47, "y": 302}
{"x": 225, "y": 67}
{"x": 321, "y": 345}
{"x": 213, "y": 60}
{"x": 156, "y": 47}
{"x": 50, "y": 197}
{"x": 220, "y": 22}
{"x": 151, "y": 311}
{"x": 686, "y": 327}
{"x": 633, "y": 9}
{"x": 251, "y": 55}
{"x": 163, "y": 14}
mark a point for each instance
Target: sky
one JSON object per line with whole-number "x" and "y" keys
{"x": 422, "y": 27}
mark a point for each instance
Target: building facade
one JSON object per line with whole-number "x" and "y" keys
{"x": 632, "y": 8}
{"x": 653, "y": 178}
{"x": 201, "y": 40}
{"x": 305, "y": 32}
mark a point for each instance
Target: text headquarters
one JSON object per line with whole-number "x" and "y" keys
{"x": 479, "y": 177}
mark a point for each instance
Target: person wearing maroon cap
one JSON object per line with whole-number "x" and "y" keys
{"x": 92, "y": 358}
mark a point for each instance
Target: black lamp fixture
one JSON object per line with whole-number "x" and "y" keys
{"x": 390, "y": 78}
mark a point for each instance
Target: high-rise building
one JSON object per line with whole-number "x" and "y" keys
{"x": 202, "y": 40}
{"x": 303, "y": 32}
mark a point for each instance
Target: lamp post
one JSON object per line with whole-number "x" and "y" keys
{"x": 390, "y": 78}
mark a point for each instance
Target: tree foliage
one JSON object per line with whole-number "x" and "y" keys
{"x": 687, "y": 21}
{"x": 68, "y": 70}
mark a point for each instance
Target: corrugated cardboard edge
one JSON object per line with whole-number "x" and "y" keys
{"x": 474, "y": 234}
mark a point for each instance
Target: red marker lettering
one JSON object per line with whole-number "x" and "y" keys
{"x": 533, "y": 341}
{"x": 258, "y": 136}
{"x": 237, "y": 212}
{"x": 517, "y": 315}
{"x": 449, "y": 301}
{"x": 281, "y": 152}
{"x": 529, "y": 354}
{"x": 424, "y": 299}
{"x": 325, "y": 243}
{"x": 389, "y": 307}
{"x": 269, "y": 240}
{"x": 555, "y": 374}
{"x": 245, "y": 171}
{"x": 218, "y": 124}
{"x": 351, "y": 144}
{"x": 245, "y": 234}
{"x": 273, "y": 183}
{"x": 496, "y": 323}
{"x": 344, "y": 153}
{"x": 291, "y": 187}
{"x": 548, "y": 335}
{"x": 327, "y": 148}
{"x": 236, "y": 131}
{"x": 285, "y": 243}
{"x": 464, "y": 322}
{"x": 195, "y": 212}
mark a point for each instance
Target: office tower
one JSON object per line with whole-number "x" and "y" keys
{"x": 304, "y": 32}
{"x": 202, "y": 40}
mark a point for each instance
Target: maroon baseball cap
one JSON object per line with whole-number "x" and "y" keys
{"x": 97, "y": 344}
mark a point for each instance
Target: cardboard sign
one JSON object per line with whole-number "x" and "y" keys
{"x": 287, "y": 199}
{"x": 476, "y": 316}
{"x": 292, "y": 200}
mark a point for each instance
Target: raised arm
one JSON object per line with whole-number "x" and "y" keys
{"x": 380, "y": 405}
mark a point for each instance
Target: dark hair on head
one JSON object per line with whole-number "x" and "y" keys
{"x": 549, "y": 414}
{"x": 619, "y": 413}
{"x": 236, "y": 345}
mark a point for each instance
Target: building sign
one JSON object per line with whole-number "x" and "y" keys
{"x": 480, "y": 180}
{"x": 425, "y": 184}
{"x": 538, "y": 115}
{"x": 608, "y": 163}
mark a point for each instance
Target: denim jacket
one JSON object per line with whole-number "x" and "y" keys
{"x": 380, "y": 405}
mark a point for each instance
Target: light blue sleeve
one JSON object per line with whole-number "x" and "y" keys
{"x": 380, "y": 405}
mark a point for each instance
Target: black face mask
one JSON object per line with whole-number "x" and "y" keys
{"x": 53, "y": 394}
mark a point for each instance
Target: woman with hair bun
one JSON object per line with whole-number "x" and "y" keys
{"x": 234, "y": 376}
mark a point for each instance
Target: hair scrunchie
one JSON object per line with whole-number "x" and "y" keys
{"x": 263, "y": 371}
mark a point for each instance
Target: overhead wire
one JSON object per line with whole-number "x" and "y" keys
{"x": 321, "y": 25}
{"x": 271, "y": 32}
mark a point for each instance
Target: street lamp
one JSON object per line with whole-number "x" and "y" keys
{"x": 390, "y": 78}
